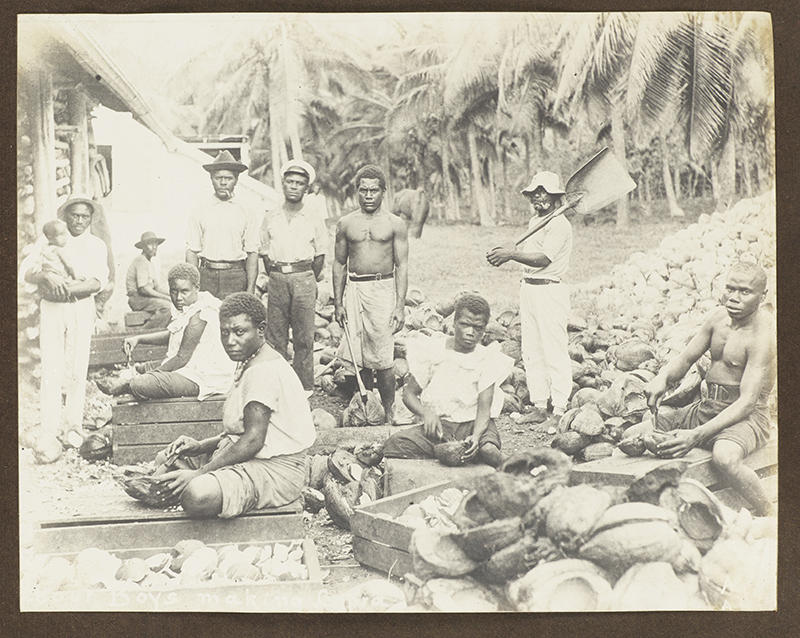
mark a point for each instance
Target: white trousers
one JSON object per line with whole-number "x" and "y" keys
{"x": 65, "y": 334}
{"x": 544, "y": 311}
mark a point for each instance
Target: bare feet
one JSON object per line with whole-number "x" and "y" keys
{"x": 536, "y": 415}
{"x": 113, "y": 386}
{"x": 551, "y": 423}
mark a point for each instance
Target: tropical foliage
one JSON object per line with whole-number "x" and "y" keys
{"x": 469, "y": 106}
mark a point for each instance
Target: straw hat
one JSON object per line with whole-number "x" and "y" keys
{"x": 149, "y": 236}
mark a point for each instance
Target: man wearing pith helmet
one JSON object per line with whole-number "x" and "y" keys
{"x": 222, "y": 238}
{"x": 294, "y": 241}
{"x": 544, "y": 302}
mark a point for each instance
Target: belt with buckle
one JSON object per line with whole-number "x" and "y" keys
{"x": 717, "y": 392}
{"x": 539, "y": 282}
{"x": 221, "y": 265}
{"x": 288, "y": 267}
{"x": 375, "y": 277}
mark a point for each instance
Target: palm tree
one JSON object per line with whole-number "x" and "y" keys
{"x": 710, "y": 73}
{"x": 594, "y": 74}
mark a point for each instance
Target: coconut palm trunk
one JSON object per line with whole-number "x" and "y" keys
{"x": 672, "y": 201}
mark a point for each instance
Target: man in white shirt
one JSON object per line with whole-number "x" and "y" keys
{"x": 294, "y": 241}
{"x": 222, "y": 237}
{"x": 66, "y": 320}
{"x": 544, "y": 302}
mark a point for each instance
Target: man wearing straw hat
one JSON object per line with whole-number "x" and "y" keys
{"x": 544, "y": 303}
{"x": 294, "y": 241}
{"x": 145, "y": 294}
{"x": 222, "y": 239}
{"x": 66, "y": 320}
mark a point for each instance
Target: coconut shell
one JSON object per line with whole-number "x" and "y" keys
{"x": 648, "y": 488}
{"x": 370, "y": 485}
{"x": 369, "y": 454}
{"x": 481, "y": 542}
{"x": 620, "y": 547}
{"x": 652, "y": 439}
{"x": 649, "y": 587}
{"x": 313, "y": 499}
{"x": 569, "y": 584}
{"x": 96, "y": 447}
{"x": 588, "y": 422}
{"x": 510, "y": 561}
{"x": 626, "y": 513}
{"x": 573, "y": 512}
{"x": 450, "y": 452}
{"x": 436, "y": 554}
{"x": 741, "y": 576}
{"x": 133, "y": 570}
{"x": 566, "y": 420}
{"x": 471, "y": 512}
{"x": 505, "y": 495}
{"x": 596, "y": 451}
{"x": 318, "y": 471}
{"x": 323, "y": 420}
{"x": 633, "y": 445}
{"x": 339, "y": 465}
{"x": 700, "y": 513}
{"x": 144, "y": 488}
{"x": 340, "y": 501}
{"x": 326, "y": 382}
{"x": 570, "y": 442}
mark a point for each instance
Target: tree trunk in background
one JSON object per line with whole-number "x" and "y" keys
{"x": 79, "y": 145}
{"x": 447, "y": 185}
{"x": 490, "y": 170}
{"x": 618, "y": 140}
{"x": 44, "y": 150}
{"x": 674, "y": 209}
{"x": 478, "y": 196}
{"x": 292, "y": 102}
{"x": 725, "y": 186}
{"x": 505, "y": 205}
{"x": 275, "y": 144}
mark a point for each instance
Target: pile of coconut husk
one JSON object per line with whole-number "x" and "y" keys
{"x": 528, "y": 541}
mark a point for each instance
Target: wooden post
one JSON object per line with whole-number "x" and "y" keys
{"x": 79, "y": 147}
{"x": 44, "y": 154}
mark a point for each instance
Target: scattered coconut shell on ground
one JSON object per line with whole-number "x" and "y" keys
{"x": 339, "y": 465}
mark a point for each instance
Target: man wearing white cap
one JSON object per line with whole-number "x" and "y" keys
{"x": 222, "y": 238}
{"x": 294, "y": 241}
{"x": 544, "y": 302}
{"x": 66, "y": 320}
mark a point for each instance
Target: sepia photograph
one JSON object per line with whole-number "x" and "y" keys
{"x": 524, "y": 358}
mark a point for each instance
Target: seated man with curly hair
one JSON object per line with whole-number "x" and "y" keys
{"x": 259, "y": 459}
{"x": 454, "y": 387}
{"x": 196, "y": 364}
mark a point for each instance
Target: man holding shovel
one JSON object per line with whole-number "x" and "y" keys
{"x": 371, "y": 266}
{"x": 544, "y": 302}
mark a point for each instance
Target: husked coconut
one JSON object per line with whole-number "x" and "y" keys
{"x": 570, "y": 442}
{"x": 588, "y": 422}
{"x": 619, "y": 547}
{"x": 323, "y": 420}
{"x": 573, "y": 512}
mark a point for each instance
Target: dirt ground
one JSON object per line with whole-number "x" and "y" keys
{"x": 45, "y": 489}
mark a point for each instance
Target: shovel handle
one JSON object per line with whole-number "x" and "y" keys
{"x": 572, "y": 201}
{"x": 361, "y": 389}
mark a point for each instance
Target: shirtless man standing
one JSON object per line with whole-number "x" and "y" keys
{"x": 732, "y": 417}
{"x": 371, "y": 264}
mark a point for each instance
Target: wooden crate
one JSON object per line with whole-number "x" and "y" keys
{"x": 107, "y": 350}
{"x": 141, "y": 429}
{"x": 120, "y": 521}
{"x": 136, "y": 319}
{"x": 379, "y": 541}
{"x": 300, "y": 595}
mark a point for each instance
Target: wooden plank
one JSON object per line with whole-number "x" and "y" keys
{"x": 136, "y": 318}
{"x": 382, "y": 557}
{"x": 162, "y": 433}
{"x": 623, "y": 470}
{"x": 107, "y": 350}
{"x": 158, "y": 533}
{"x": 183, "y": 409}
{"x": 735, "y": 501}
{"x": 258, "y": 596}
{"x": 401, "y": 475}
{"x": 132, "y": 454}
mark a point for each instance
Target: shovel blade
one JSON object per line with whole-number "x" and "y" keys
{"x": 601, "y": 181}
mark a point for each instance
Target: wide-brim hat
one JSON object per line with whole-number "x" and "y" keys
{"x": 225, "y": 162}
{"x": 149, "y": 236}
{"x": 547, "y": 180}
{"x": 80, "y": 198}
{"x": 300, "y": 167}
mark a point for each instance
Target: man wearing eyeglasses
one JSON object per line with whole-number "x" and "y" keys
{"x": 66, "y": 320}
{"x": 370, "y": 280}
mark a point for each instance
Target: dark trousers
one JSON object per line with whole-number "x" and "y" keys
{"x": 222, "y": 283}
{"x": 290, "y": 302}
{"x": 159, "y": 310}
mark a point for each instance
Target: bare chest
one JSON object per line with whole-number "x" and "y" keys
{"x": 730, "y": 347}
{"x": 370, "y": 230}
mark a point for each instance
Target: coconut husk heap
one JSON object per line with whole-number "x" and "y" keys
{"x": 528, "y": 541}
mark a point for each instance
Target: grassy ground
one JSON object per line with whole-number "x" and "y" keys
{"x": 448, "y": 258}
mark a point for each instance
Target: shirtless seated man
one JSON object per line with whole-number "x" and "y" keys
{"x": 454, "y": 387}
{"x": 732, "y": 417}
